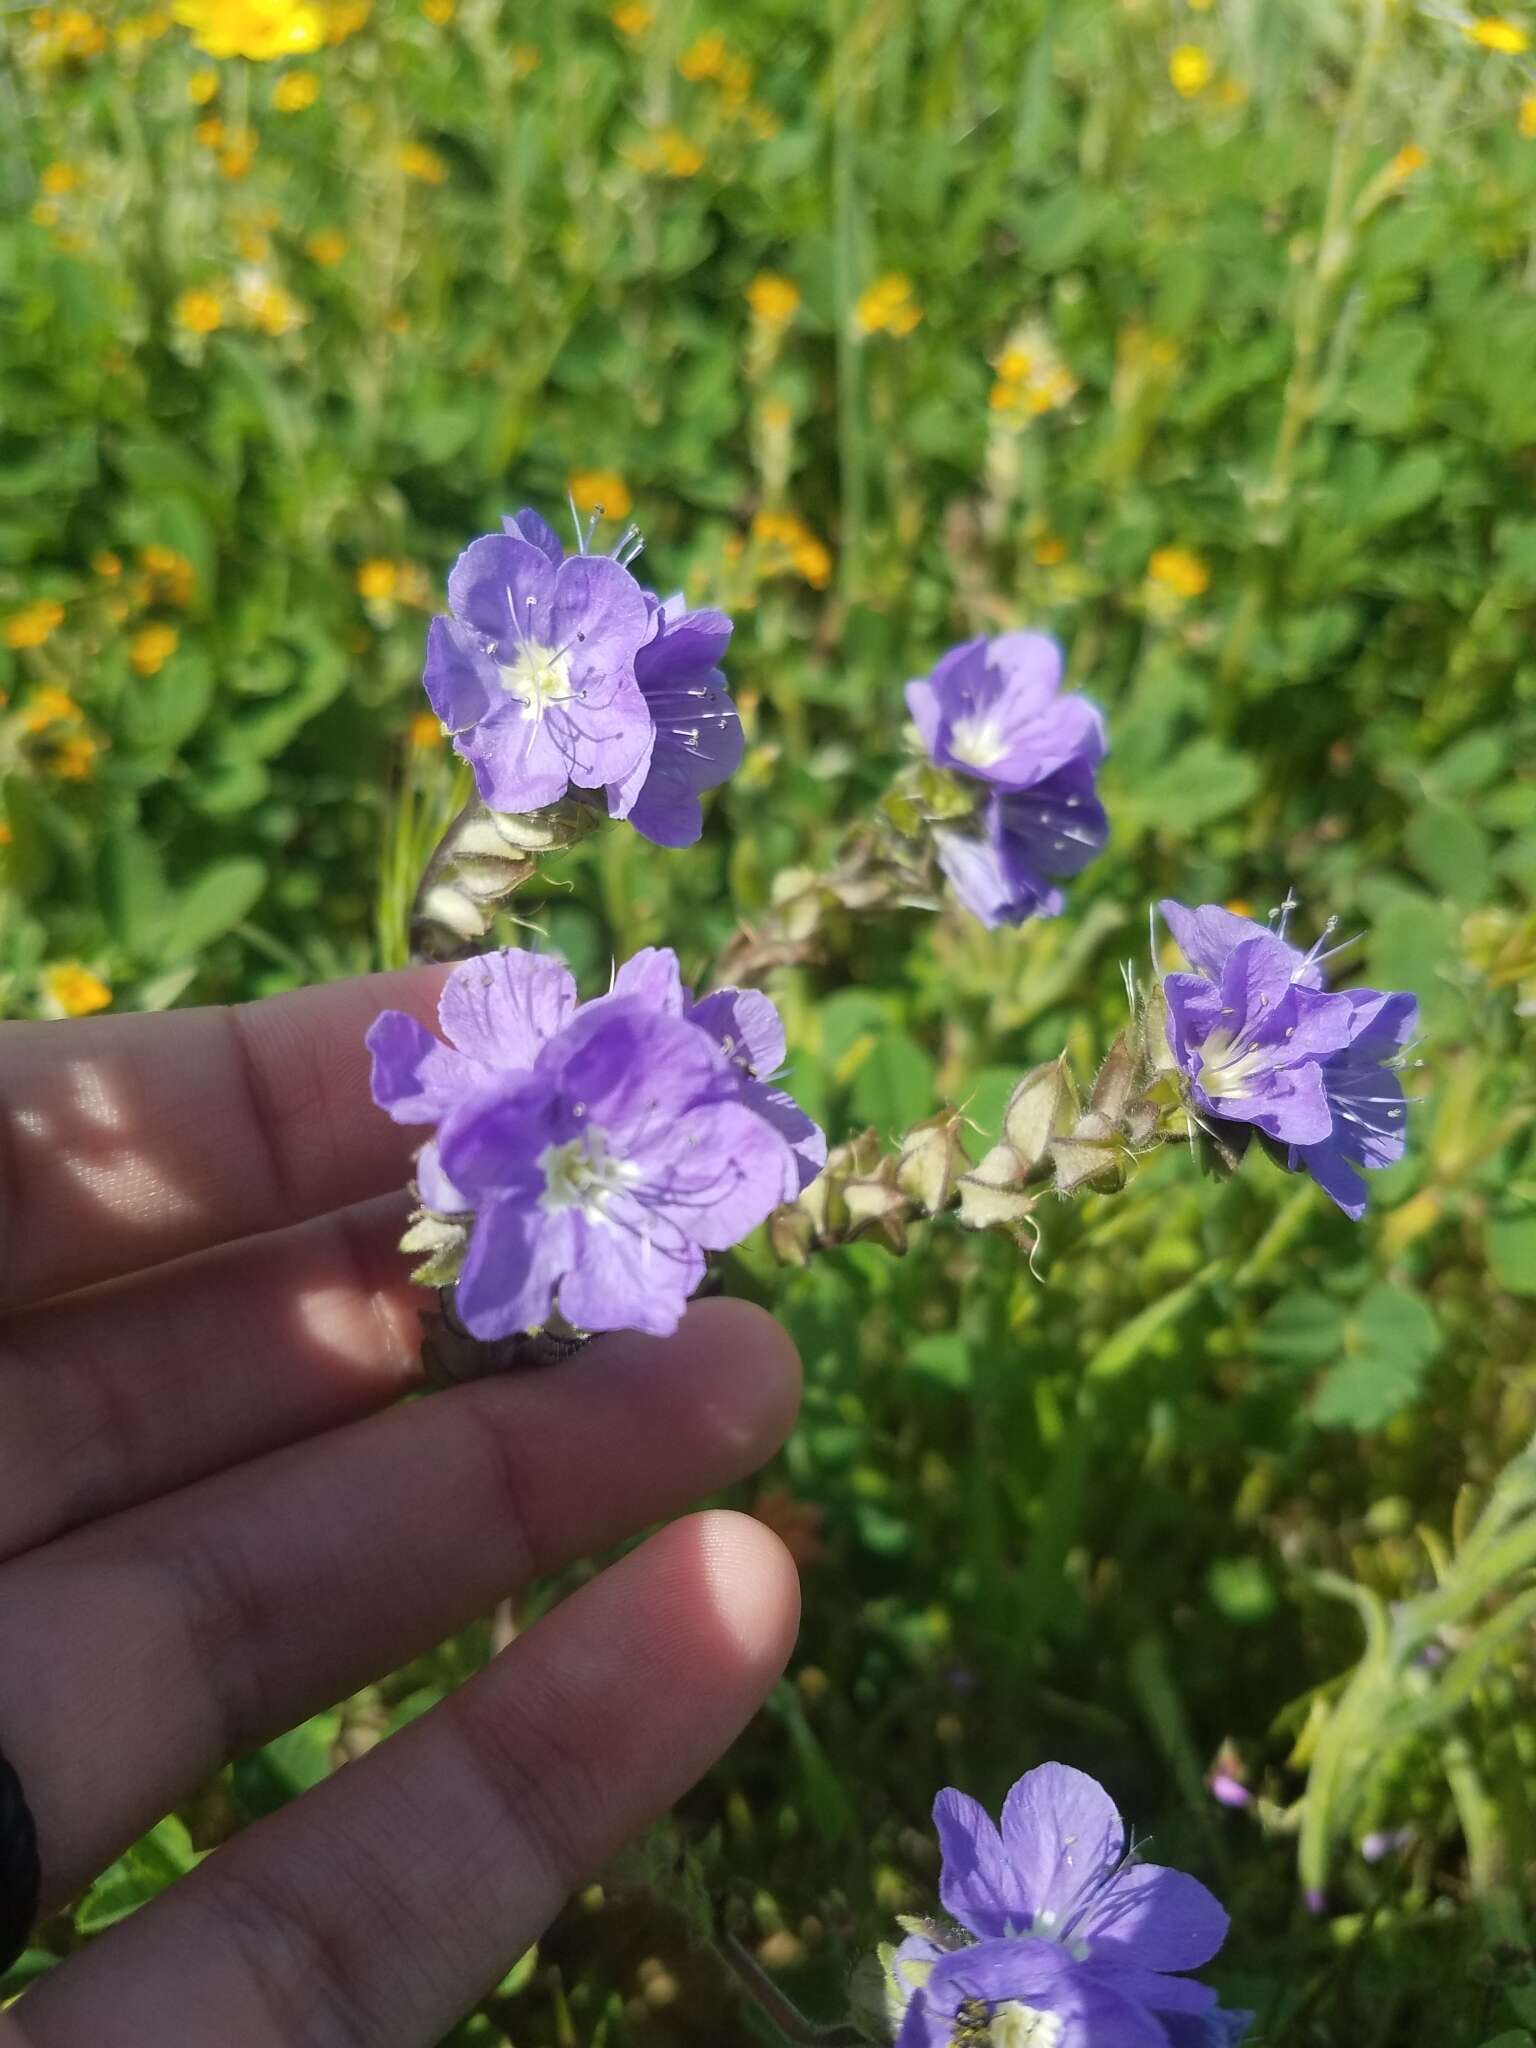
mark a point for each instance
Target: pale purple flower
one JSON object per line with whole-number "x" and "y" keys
{"x": 1263, "y": 1045}
{"x": 698, "y": 742}
{"x": 602, "y": 1149}
{"x": 992, "y": 712}
{"x": 1062, "y": 1937}
{"x": 533, "y": 671}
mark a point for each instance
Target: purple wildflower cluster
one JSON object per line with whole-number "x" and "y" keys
{"x": 556, "y": 672}
{"x": 1264, "y": 1046}
{"x": 992, "y": 711}
{"x": 1061, "y": 1937}
{"x": 602, "y": 1148}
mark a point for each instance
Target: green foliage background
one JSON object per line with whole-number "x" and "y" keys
{"x": 1080, "y": 1514}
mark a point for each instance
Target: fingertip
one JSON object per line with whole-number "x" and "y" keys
{"x": 753, "y": 1587}
{"x": 755, "y": 1364}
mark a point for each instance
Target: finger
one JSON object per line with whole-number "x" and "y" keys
{"x": 384, "y": 1904}
{"x": 129, "y": 1140}
{"x": 118, "y": 1394}
{"x": 166, "y": 1640}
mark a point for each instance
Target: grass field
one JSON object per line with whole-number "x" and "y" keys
{"x": 1201, "y": 335}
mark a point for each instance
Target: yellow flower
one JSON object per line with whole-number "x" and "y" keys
{"x": 259, "y": 29}
{"x": 236, "y": 161}
{"x": 295, "y": 91}
{"x": 774, "y": 300}
{"x": 705, "y": 58}
{"x": 377, "y": 580}
{"x": 58, "y": 179}
{"x": 600, "y": 490}
{"x": 71, "y": 33}
{"x": 1179, "y": 570}
{"x": 680, "y": 157}
{"x": 6, "y": 834}
{"x": 171, "y": 575}
{"x": 1409, "y": 158}
{"x": 1190, "y": 69}
{"x": 439, "y": 12}
{"x": 736, "y": 76}
{"x": 525, "y": 60}
{"x": 210, "y": 133}
{"x": 202, "y": 86}
{"x": 73, "y": 990}
{"x": 266, "y": 305}
{"x": 200, "y": 311}
{"x": 1494, "y": 33}
{"x": 786, "y": 544}
{"x": 152, "y": 647}
{"x": 887, "y": 307}
{"x": 76, "y": 757}
{"x": 425, "y": 731}
{"x": 1527, "y": 117}
{"x": 326, "y": 247}
{"x": 107, "y": 565}
{"x": 344, "y": 18}
{"x": 632, "y": 19}
{"x": 423, "y": 164}
{"x": 142, "y": 28}
{"x": 48, "y": 707}
{"x": 31, "y": 626}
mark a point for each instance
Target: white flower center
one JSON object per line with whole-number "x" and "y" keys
{"x": 539, "y": 676}
{"x": 583, "y": 1174}
{"x": 978, "y": 739}
{"x": 1025, "y": 2026}
{"x": 1226, "y": 1069}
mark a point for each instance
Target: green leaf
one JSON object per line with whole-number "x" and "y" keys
{"x": 28, "y": 861}
{"x": 1449, "y": 851}
{"x": 1303, "y": 1328}
{"x": 138, "y": 1875}
{"x": 285, "y": 1768}
{"x": 1390, "y": 1342}
{"x": 944, "y": 1357}
{"x": 894, "y": 1084}
{"x": 220, "y": 897}
{"x": 1512, "y": 1252}
{"x": 131, "y": 888}
{"x": 1202, "y": 782}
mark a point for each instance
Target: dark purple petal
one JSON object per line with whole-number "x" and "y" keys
{"x": 516, "y": 1259}
{"x": 1154, "y": 1919}
{"x": 460, "y": 678}
{"x": 978, "y": 1885}
{"x": 993, "y": 879}
{"x": 746, "y": 1026}
{"x": 1207, "y": 2030}
{"x": 491, "y": 1142}
{"x": 501, "y": 1007}
{"x": 1058, "y": 826}
{"x": 416, "y": 1078}
{"x": 528, "y": 526}
{"x": 682, "y": 642}
{"x": 1002, "y": 1976}
{"x": 806, "y": 1140}
{"x": 699, "y": 744}
{"x": 1063, "y": 1836}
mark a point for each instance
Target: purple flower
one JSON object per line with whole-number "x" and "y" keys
{"x": 533, "y": 672}
{"x": 1063, "y": 1938}
{"x": 698, "y": 734}
{"x": 1262, "y": 1044}
{"x": 601, "y": 1148}
{"x": 992, "y": 711}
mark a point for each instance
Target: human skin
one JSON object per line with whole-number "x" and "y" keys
{"x": 215, "y": 1520}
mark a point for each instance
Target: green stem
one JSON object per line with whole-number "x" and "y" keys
{"x": 850, "y": 397}
{"x": 772, "y": 2003}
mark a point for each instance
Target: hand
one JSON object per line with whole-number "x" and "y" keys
{"x": 212, "y": 1525}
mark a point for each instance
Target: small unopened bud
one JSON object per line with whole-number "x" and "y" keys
{"x": 932, "y": 1160}
{"x": 991, "y": 1194}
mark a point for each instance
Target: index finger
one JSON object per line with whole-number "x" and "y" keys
{"x": 126, "y": 1141}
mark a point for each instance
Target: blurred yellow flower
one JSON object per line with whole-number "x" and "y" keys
{"x": 152, "y": 647}
{"x": 632, "y": 19}
{"x": 525, "y": 59}
{"x": 200, "y": 311}
{"x": 439, "y": 12}
{"x": 48, "y": 707}
{"x": 1032, "y": 378}
{"x": 344, "y": 18}
{"x": 142, "y": 28}
{"x": 210, "y": 133}
{"x": 171, "y": 575}
{"x": 1190, "y": 69}
{"x": 71, "y": 33}
{"x": 73, "y": 990}
{"x": 295, "y": 91}
{"x": 774, "y": 299}
{"x": 787, "y": 545}
{"x": 423, "y": 164}
{"x": 58, "y": 179}
{"x": 107, "y": 565}
{"x": 1050, "y": 551}
{"x": 377, "y": 580}
{"x": 235, "y": 162}
{"x": 887, "y": 307}
{"x": 326, "y": 247}
{"x": 259, "y": 29}
{"x": 736, "y": 76}
{"x": 425, "y": 731}
{"x": 264, "y": 303}
{"x": 600, "y": 490}
{"x": 705, "y": 58}
{"x": 1409, "y": 158}
{"x": 202, "y": 86}
{"x": 1494, "y": 33}
{"x": 1179, "y": 570}
{"x": 6, "y": 834}
{"x": 1527, "y": 117}
{"x": 76, "y": 757}
{"x": 31, "y": 626}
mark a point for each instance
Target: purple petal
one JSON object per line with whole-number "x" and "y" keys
{"x": 653, "y": 976}
{"x": 490, "y": 1142}
{"x": 528, "y": 526}
{"x": 978, "y": 1885}
{"x": 416, "y": 1078}
{"x": 1063, "y": 1834}
{"x": 501, "y": 1007}
{"x": 806, "y": 1140}
{"x": 1031, "y": 665}
{"x": 746, "y": 1026}
{"x": 925, "y": 713}
{"x": 521, "y": 763}
{"x": 682, "y": 642}
{"x": 598, "y": 612}
{"x": 503, "y": 587}
{"x": 991, "y": 880}
{"x": 1288, "y": 1104}
{"x": 435, "y": 1190}
{"x": 714, "y": 1169}
{"x": 1330, "y": 1167}
{"x": 460, "y": 679}
{"x": 1156, "y": 1919}
{"x": 628, "y": 1274}
{"x": 1207, "y": 936}
{"x": 517, "y": 1256}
